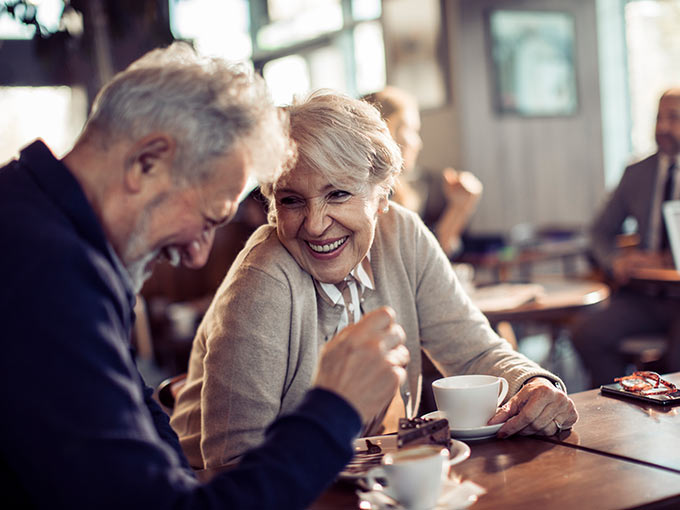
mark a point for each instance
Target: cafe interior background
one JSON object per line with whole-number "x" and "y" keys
{"x": 545, "y": 101}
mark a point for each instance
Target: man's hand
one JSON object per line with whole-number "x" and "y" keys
{"x": 365, "y": 362}
{"x": 625, "y": 263}
{"x": 538, "y": 408}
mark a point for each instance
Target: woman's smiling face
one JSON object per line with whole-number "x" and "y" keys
{"x": 328, "y": 230}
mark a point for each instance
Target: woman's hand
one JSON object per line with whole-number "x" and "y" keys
{"x": 538, "y": 408}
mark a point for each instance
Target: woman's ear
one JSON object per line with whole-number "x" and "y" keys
{"x": 383, "y": 204}
{"x": 147, "y": 159}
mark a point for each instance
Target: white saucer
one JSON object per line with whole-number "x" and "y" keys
{"x": 469, "y": 434}
{"x": 456, "y": 495}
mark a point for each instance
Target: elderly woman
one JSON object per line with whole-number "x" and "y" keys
{"x": 335, "y": 249}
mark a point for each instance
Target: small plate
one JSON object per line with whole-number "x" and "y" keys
{"x": 363, "y": 461}
{"x": 468, "y": 434}
{"x": 456, "y": 495}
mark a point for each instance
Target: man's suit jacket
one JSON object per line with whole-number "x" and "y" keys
{"x": 633, "y": 197}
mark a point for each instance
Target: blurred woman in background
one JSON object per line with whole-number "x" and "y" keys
{"x": 448, "y": 214}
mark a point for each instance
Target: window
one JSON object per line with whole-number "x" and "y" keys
{"x": 304, "y": 45}
{"x": 639, "y": 46}
{"x": 48, "y": 17}
{"x": 216, "y": 27}
{"x": 653, "y": 42}
{"x": 297, "y": 45}
{"x": 24, "y": 118}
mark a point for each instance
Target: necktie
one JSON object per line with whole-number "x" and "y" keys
{"x": 667, "y": 195}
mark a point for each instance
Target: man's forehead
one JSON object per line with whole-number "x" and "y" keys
{"x": 231, "y": 170}
{"x": 670, "y": 101}
{"x": 222, "y": 189}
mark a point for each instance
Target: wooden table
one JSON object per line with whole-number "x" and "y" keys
{"x": 526, "y": 473}
{"x": 630, "y": 429}
{"x": 619, "y": 455}
{"x": 557, "y": 307}
{"x": 659, "y": 277}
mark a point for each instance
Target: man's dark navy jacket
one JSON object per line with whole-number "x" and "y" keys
{"x": 79, "y": 428}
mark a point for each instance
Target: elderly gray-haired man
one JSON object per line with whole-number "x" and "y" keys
{"x": 160, "y": 164}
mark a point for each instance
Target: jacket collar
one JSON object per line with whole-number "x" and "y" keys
{"x": 57, "y": 181}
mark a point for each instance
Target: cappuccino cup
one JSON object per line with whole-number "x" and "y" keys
{"x": 469, "y": 401}
{"x": 413, "y": 476}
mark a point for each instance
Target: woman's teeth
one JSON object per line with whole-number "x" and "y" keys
{"x": 325, "y": 248}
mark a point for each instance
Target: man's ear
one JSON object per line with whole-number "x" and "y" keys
{"x": 149, "y": 158}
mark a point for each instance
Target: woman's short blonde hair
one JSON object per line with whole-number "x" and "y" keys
{"x": 345, "y": 140}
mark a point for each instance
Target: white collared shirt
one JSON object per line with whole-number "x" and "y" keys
{"x": 655, "y": 232}
{"x": 357, "y": 281}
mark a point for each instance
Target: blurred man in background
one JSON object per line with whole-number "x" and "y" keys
{"x": 644, "y": 187}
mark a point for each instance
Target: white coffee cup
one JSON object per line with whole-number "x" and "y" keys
{"x": 414, "y": 475}
{"x": 469, "y": 401}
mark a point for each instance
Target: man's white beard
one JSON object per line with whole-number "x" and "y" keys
{"x": 140, "y": 271}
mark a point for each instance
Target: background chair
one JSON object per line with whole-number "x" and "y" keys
{"x": 645, "y": 352}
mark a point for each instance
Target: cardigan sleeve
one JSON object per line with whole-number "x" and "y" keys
{"x": 247, "y": 334}
{"x": 454, "y": 332}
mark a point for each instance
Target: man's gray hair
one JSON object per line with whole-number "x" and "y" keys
{"x": 345, "y": 140}
{"x": 207, "y": 104}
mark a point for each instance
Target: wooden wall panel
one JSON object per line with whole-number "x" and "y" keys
{"x": 535, "y": 170}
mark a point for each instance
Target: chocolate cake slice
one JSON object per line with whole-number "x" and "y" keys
{"x": 423, "y": 431}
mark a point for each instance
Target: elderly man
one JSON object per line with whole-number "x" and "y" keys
{"x": 644, "y": 186}
{"x": 160, "y": 164}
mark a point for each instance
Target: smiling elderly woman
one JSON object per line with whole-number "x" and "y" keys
{"x": 335, "y": 249}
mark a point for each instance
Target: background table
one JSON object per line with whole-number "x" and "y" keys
{"x": 560, "y": 305}
{"x": 561, "y": 300}
{"x": 656, "y": 280}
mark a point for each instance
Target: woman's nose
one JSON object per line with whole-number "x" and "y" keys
{"x": 316, "y": 219}
{"x": 196, "y": 253}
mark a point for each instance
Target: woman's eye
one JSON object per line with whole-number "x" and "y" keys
{"x": 291, "y": 202}
{"x": 339, "y": 195}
